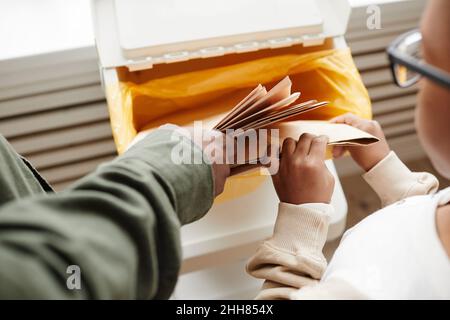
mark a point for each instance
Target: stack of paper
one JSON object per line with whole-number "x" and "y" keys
{"x": 261, "y": 108}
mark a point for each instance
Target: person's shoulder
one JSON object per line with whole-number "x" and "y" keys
{"x": 397, "y": 214}
{"x": 3, "y": 141}
{"x": 5, "y": 146}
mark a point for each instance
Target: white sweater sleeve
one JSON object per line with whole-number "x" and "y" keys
{"x": 292, "y": 258}
{"x": 392, "y": 180}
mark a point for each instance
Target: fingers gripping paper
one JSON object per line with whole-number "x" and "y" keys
{"x": 147, "y": 99}
{"x": 274, "y": 109}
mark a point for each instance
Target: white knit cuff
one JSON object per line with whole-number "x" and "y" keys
{"x": 392, "y": 180}
{"x": 301, "y": 227}
{"x": 389, "y": 177}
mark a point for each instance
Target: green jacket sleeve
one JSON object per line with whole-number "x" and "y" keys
{"x": 120, "y": 225}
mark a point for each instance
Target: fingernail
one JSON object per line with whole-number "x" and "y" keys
{"x": 336, "y": 151}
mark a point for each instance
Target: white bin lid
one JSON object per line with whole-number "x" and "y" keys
{"x": 141, "y": 33}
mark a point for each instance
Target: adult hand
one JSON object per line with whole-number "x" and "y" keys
{"x": 211, "y": 142}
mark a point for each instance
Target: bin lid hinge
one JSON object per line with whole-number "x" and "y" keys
{"x": 310, "y": 40}
{"x": 142, "y": 64}
{"x": 148, "y": 62}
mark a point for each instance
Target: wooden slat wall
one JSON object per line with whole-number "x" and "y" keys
{"x": 393, "y": 107}
{"x": 53, "y": 111}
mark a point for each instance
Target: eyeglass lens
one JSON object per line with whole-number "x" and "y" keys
{"x": 410, "y": 46}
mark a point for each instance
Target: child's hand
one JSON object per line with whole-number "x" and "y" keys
{"x": 303, "y": 176}
{"x": 365, "y": 156}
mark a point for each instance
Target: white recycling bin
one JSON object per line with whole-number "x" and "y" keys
{"x": 134, "y": 36}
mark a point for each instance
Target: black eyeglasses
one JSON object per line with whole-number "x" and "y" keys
{"x": 407, "y": 65}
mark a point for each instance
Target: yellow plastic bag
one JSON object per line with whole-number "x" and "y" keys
{"x": 147, "y": 100}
